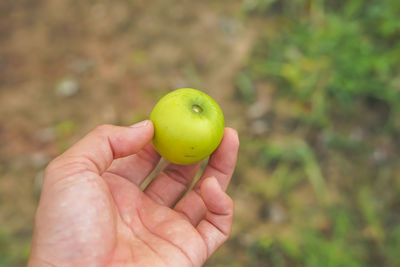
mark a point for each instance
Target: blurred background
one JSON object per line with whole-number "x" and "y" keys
{"x": 312, "y": 86}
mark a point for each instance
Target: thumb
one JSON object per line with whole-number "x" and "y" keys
{"x": 96, "y": 151}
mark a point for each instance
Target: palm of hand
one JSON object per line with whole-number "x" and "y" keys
{"x": 94, "y": 214}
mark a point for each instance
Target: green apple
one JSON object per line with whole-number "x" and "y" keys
{"x": 188, "y": 126}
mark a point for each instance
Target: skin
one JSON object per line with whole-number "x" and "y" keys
{"x": 186, "y": 143}
{"x": 93, "y": 213}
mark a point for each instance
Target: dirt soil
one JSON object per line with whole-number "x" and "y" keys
{"x": 67, "y": 66}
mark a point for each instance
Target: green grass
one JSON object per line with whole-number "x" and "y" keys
{"x": 14, "y": 251}
{"x": 329, "y": 59}
{"x": 334, "y": 67}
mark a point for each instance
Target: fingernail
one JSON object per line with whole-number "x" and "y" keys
{"x": 140, "y": 124}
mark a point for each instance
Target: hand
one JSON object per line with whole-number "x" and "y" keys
{"x": 93, "y": 213}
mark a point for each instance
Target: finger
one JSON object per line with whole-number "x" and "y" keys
{"x": 221, "y": 166}
{"x": 223, "y": 161}
{"x": 96, "y": 151}
{"x": 136, "y": 167}
{"x": 171, "y": 183}
{"x": 216, "y": 227}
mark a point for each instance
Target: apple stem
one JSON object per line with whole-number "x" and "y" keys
{"x": 197, "y": 109}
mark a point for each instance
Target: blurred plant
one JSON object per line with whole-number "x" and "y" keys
{"x": 335, "y": 67}
{"x": 393, "y": 246}
{"x": 335, "y": 246}
{"x": 331, "y": 57}
{"x": 13, "y": 251}
{"x": 257, "y": 5}
{"x": 294, "y": 159}
{"x": 245, "y": 87}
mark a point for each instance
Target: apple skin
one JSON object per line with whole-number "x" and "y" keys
{"x": 188, "y": 126}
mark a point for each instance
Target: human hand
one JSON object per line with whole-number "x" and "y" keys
{"x": 93, "y": 213}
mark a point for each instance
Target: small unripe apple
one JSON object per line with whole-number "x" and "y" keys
{"x": 188, "y": 126}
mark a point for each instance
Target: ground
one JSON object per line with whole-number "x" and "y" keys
{"x": 67, "y": 67}
{"x": 311, "y": 86}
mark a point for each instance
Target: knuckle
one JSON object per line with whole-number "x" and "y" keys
{"x": 52, "y": 165}
{"x": 48, "y": 169}
{"x": 103, "y": 128}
